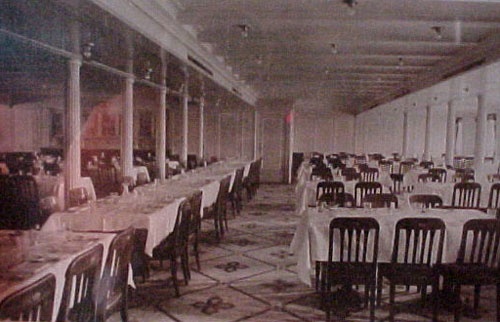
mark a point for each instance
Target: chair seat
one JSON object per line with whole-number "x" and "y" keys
{"x": 165, "y": 249}
{"x": 469, "y": 274}
{"x": 399, "y": 273}
{"x": 350, "y": 273}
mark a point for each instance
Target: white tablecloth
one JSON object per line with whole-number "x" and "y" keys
{"x": 310, "y": 242}
{"x": 140, "y": 169}
{"x": 47, "y": 253}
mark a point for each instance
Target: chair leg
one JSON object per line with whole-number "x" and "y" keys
{"x": 380, "y": 280}
{"x": 458, "y": 306}
{"x": 196, "y": 249}
{"x": 317, "y": 270}
{"x": 173, "y": 270}
{"x": 498, "y": 302}
{"x": 392, "y": 294}
{"x": 435, "y": 298}
{"x": 372, "y": 302}
{"x": 477, "y": 292}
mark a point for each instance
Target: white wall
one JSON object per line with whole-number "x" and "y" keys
{"x": 381, "y": 129}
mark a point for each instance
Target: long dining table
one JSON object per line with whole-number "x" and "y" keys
{"x": 26, "y": 256}
{"x": 152, "y": 206}
{"x": 310, "y": 242}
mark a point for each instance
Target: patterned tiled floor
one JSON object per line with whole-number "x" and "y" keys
{"x": 250, "y": 276}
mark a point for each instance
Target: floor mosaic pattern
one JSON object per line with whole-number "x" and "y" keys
{"x": 250, "y": 276}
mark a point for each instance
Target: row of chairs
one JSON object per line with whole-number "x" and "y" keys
{"x": 88, "y": 293}
{"x": 466, "y": 195}
{"x": 416, "y": 260}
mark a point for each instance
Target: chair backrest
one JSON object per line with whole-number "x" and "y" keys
{"x": 397, "y": 182}
{"x": 81, "y": 287}
{"x": 405, "y": 166}
{"x": 26, "y": 200}
{"x": 223, "y": 194}
{"x": 350, "y": 174}
{"x": 32, "y": 303}
{"x": 353, "y": 240}
{"x": 415, "y": 241}
{"x": 429, "y": 177}
{"x": 439, "y": 172}
{"x": 479, "y": 244}
{"x": 426, "y": 200}
{"x": 142, "y": 179}
{"x": 369, "y": 174}
{"x": 238, "y": 180}
{"x": 182, "y": 226}
{"x": 385, "y": 166}
{"x": 466, "y": 195}
{"x": 464, "y": 175}
{"x": 78, "y": 196}
{"x": 426, "y": 164}
{"x": 380, "y": 200}
{"x": 106, "y": 175}
{"x": 114, "y": 281}
{"x": 494, "y": 199}
{"x": 195, "y": 201}
{"x": 322, "y": 172}
{"x": 364, "y": 188}
{"x": 332, "y": 192}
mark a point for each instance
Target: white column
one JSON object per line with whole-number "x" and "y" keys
{"x": 73, "y": 134}
{"x": 405, "y": 135}
{"x": 479, "y": 146}
{"x": 161, "y": 133}
{"x": 72, "y": 144}
{"x": 427, "y": 142}
{"x": 185, "y": 118}
{"x": 127, "y": 137}
{"x": 201, "y": 146}
{"x": 450, "y": 133}
{"x": 256, "y": 135}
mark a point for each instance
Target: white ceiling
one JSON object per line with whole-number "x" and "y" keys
{"x": 385, "y": 48}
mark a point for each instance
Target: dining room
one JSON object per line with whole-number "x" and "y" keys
{"x": 184, "y": 160}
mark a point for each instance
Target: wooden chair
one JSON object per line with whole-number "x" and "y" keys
{"x": 380, "y": 200}
{"x": 477, "y": 264}
{"x": 418, "y": 245}
{"x": 397, "y": 183}
{"x": 385, "y": 166}
{"x": 369, "y": 175}
{"x": 79, "y": 296}
{"x": 364, "y": 188}
{"x": 405, "y": 166}
{"x": 427, "y": 164}
{"x": 350, "y": 174}
{"x": 113, "y": 288}
{"x": 426, "y": 201}
{"x": 429, "y": 177}
{"x": 218, "y": 211}
{"x": 32, "y": 303}
{"x": 466, "y": 195}
{"x": 332, "y": 192}
{"x": 464, "y": 175}
{"x": 321, "y": 172}
{"x": 356, "y": 264}
{"x": 78, "y": 196}
{"x": 439, "y": 172}
{"x": 235, "y": 193}
{"x": 175, "y": 245}
{"x": 26, "y": 201}
{"x": 195, "y": 227}
{"x": 494, "y": 199}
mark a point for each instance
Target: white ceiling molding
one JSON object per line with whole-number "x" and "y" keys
{"x": 155, "y": 21}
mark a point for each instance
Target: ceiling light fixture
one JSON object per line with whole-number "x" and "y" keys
{"x": 244, "y": 30}
{"x": 437, "y": 32}
{"x": 334, "y": 49}
{"x": 87, "y": 50}
{"x": 351, "y": 4}
{"x": 148, "y": 71}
